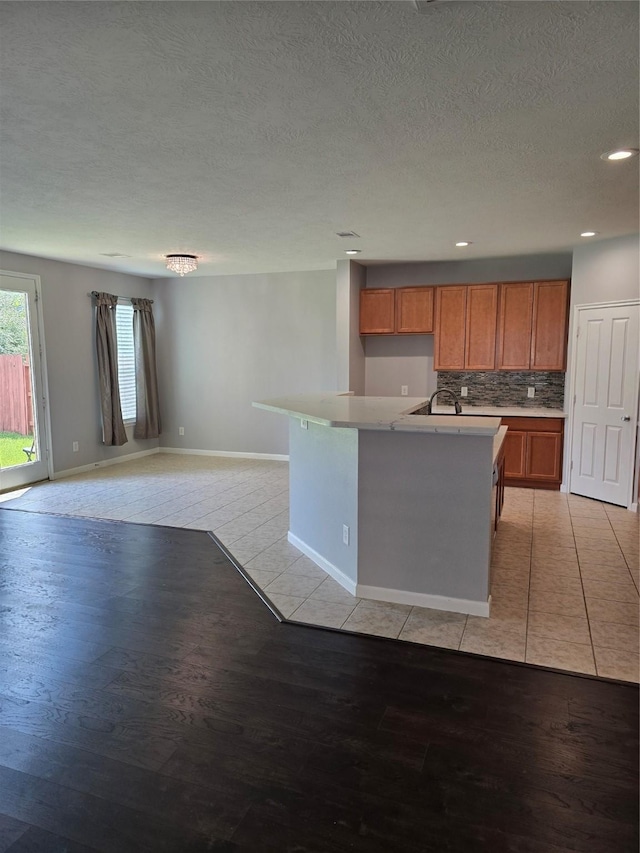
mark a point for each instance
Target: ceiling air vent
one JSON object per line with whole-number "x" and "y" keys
{"x": 113, "y": 255}
{"x": 347, "y": 234}
{"x": 423, "y": 5}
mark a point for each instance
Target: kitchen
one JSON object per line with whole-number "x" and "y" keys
{"x": 513, "y": 327}
{"x": 523, "y": 325}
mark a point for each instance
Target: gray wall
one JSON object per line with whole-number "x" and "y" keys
{"x": 224, "y": 341}
{"x": 327, "y": 458}
{"x": 604, "y": 271}
{"x": 408, "y": 360}
{"x": 68, "y": 318}
{"x": 517, "y": 268}
{"x": 350, "y": 279}
{"x": 392, "y": 362}
{"x": 427, "y": 497}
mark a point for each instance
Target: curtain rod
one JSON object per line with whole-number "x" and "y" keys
{"x": 95, "y": 293}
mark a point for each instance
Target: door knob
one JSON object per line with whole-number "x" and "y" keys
{"x": 625, "y": 418}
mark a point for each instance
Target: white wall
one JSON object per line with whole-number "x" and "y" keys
{"x": 224, "y": 341}
{"x": 68, "y": 317}
{"x": 391, "y": 362}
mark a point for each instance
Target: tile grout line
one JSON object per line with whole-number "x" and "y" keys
{"x": 584, "y": 597}
{"x": 526, "y": 619}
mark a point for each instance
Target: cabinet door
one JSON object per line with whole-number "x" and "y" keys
{"x": 414, "y": 310}
{"x": 544, "y": 456}
{"x": 377, "y": 311}
{"x": 515, "y": 453}
{"x": 514, "y": 326}
{"x": 481, "y": 320}
{"x": 549, "y": 333}
{"x": 450, "y": 328}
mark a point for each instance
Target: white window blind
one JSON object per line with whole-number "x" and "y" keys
{"x": 126, "y": 361}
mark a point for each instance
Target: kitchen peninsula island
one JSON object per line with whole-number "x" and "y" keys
{"x": 395, "y": 506}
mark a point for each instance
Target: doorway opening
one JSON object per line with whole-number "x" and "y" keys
{"x": 24, "y": 456}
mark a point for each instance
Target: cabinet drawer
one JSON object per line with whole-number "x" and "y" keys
{"x": 534, "y": 424}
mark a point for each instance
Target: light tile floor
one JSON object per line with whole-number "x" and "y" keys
{"x": 564, "y": 575}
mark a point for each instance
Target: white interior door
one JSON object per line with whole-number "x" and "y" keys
{"x": 605, "y": 403}
{"x": 23, "y": 413}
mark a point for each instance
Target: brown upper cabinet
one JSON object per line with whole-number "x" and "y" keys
{"x": 414, "y": 310}
{"x": 532, "y": 326}
{"x": 377, "y": 315}
{"x": 480, "y": 330}
{"x": 549, "y": 330}
{"x": 401, "y": 310}
{"x": 465, "y": 333}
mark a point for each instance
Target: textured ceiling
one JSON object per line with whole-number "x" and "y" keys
{"x": 250, "y": 132}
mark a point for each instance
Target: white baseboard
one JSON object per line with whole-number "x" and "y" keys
{"x": 421, "y": 599}
{"x": 277, "y": 457}
{"x": 324, "y": 564}
{"x": 104, "y": 463}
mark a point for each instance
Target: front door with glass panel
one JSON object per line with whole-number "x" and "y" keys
{"x": 23, "y": 439}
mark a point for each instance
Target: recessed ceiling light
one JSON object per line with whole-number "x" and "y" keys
{"x": 352, "y": 251}
{"x": 619, "y": 154}
{"x": 463, "y": 243}
{"x": 588, "y": 233}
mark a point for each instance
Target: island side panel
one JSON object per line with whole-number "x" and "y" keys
{"x": 323, "y": 492}
{"x": 425, "y": 516}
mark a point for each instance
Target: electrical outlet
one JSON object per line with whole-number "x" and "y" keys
{"x": 304, "y": 423}
{"x": 180, "y": 430}
{"x": 345, "y": 534}
{"x": 404, "y": 390}
{"x": 76, "y": 446}
{"x": 531, "y": 391}
{"x": 463, "y": 391}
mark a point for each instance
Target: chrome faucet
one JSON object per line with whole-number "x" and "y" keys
{"x": 456, "y": 402}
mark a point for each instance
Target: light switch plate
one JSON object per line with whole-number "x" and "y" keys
{"x": 304, "y": 423}
{"x": 463, "y": 391}
{"x": 531, "y": 391}
{"x": 404, "y": 390}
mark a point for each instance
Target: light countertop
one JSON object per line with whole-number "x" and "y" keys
{"x": 502, "y": 411}
{"x": 377, "y": 413}
{"x": 498, "y": 441}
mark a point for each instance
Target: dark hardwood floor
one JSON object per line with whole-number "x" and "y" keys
{"x": 149, "y": 701}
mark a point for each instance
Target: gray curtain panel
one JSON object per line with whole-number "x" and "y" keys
{"x": 113, "y": 432}
{"x": 148, "y": 423}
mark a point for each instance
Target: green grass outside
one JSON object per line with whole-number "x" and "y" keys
{"x": 11, "y": 452}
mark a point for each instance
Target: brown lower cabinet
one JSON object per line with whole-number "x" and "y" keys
{"x": 533, "y": 452}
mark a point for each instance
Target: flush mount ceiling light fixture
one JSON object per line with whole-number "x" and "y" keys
{"x": 463, "y": 243}
{"x": 589, "y": 234}
{"x": 182, "y": 264}
{"x": 352, "y": 251}
{"x": 619, "y": 154}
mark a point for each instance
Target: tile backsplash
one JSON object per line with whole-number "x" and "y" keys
{"x": 506, "y": 388}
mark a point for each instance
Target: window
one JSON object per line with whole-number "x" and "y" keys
{"x": 126, "y": 361}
